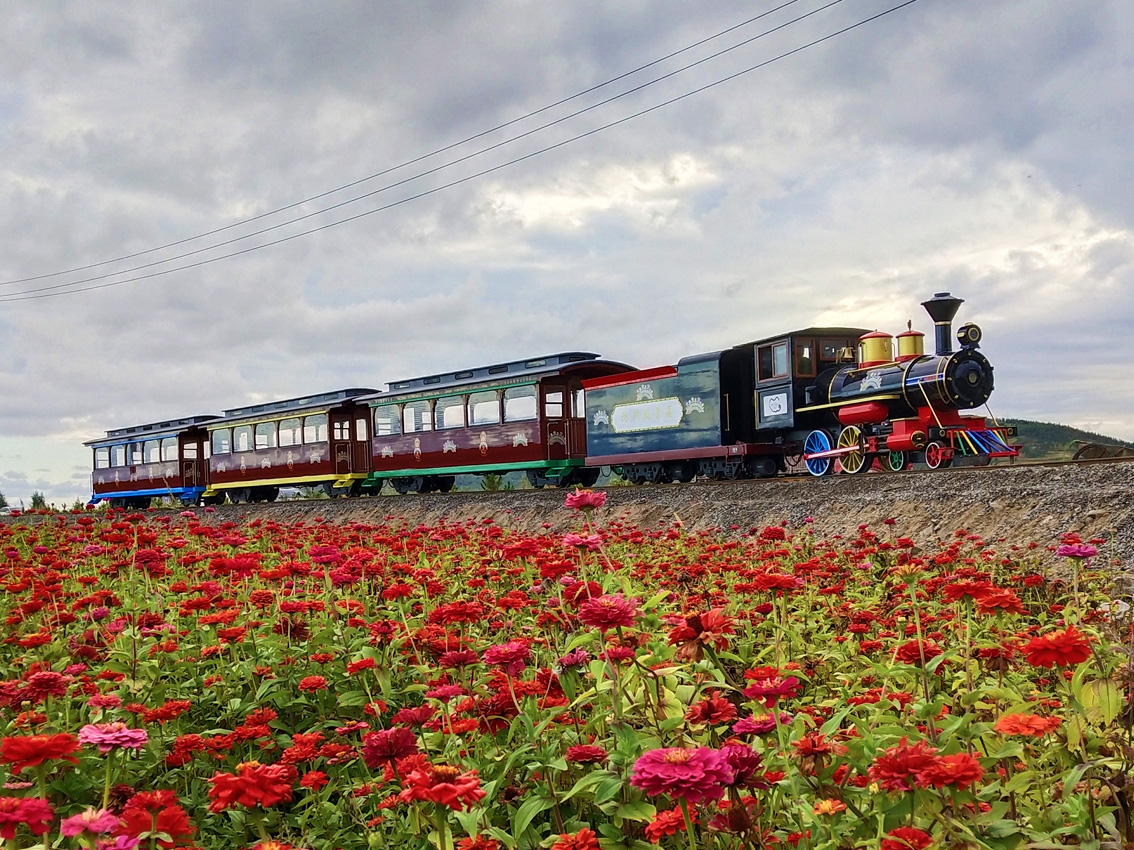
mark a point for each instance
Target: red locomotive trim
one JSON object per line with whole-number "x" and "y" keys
{"x": 863, "y": 414}
{"x": 630, "y": 377}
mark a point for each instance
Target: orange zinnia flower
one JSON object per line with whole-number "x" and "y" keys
{"x": 1031, "y": 725}
{"x": 1058, "y": 649}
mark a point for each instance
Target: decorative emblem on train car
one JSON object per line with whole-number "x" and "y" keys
{"x": 133, "y": 475}
{"x": 290, "y": 460}
{"x": 873, "y": 380}
{"x": 243, "y": 466}
{"x": 775, "y": 404}
{"x": 417, "y": 448}
{"x": 601, "y": 417}
{"x": 222, "y": 467}
{"x": 315, "y": 457}
{"x": 555, "y": 438}
{"x": 116, "y": 479}
{"x": 694, "y": 405}
{"x": 100, "y": 480}
{"x": 645, "y": 392}
{"x": 484, "y": 443}
{"x": 647, "y": 415}
{"x": 266, "y": 463}
{"x": 387, "y": 451}
{"x": 448, "y": 446}
{"x": 520, "y": 439}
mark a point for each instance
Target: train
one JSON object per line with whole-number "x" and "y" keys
{"x": 818, "y": 400}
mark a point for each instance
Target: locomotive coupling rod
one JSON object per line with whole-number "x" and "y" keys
{"x": 845, "y": 450}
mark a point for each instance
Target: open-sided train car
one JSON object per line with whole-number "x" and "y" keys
{"x": 524, "y": 415}
{"x": 166, "y": 459}
{"x": 312, "y": 441}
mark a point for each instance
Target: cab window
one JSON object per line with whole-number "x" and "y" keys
{"x": 773, "y": 361}
{"x": 804, "y": 358}
{"x": 387, "y": 421}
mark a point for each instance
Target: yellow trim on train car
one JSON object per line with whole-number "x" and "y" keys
{"x": 267, "y": 482}
{"x": 848, "y": 402}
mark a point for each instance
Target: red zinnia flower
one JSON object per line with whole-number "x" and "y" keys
{"x": 609, "y": 612}
{"x": 513, "y": 656}
{"x": 690, "y": 774}
{"x": 1058, "y": 649}
{"x": 253, "y": 784}
{"x": 906, "y": 838}
{"x": 584, "y": 839}
{"x": 960, "y": 770}
{"x": 312, "y": 684}
{"x": 585, "y": 754}
{"x": 34, "y": 813}
{"x": 898, "y": 768}
{"x": 157, "y": 812}
{"x": 444, "y": 784}
{"x": 667, "y": 823}
{"x": 33, "y": 750}
{"x": 1031, "y": 725}
{"x": 386, "y": 746}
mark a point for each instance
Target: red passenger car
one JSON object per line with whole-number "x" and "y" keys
{"x": 167, "y": 459}
{"x": 526, "y": 415}
{"x": 320, "y": 440}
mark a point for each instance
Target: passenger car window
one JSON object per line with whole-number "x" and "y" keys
{"x": 450, "y": 412}
{"x": 387, "y": 420}
{"x": 102, "y": 458}
{"x": 169, "y": 448}
{"x": 315, "y": 428}
{"x": 417, "y": 417}
{"x": 222, "y": 441}
{"x": 118, "y": 455}
{"x": 153, "y": 451}
{"x": 484, "y": 408}
{"x": 291, "y": 432}
{"x": 242, "y": 438}
{"x": 520, "y": 404}
{"x": 266, "y": 435}
{"x": 136, "y": 456}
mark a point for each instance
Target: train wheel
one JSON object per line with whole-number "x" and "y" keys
{"x": 855, "y": 461}
{"x": 445, "y": 483}
{"x": 241, "y": 495}
{"x": 270, "y": 494}
{"x": 933, "y": 455}
{"x": 818, "y": 441}
{"x": 586, "y": 476}
{"x": 894, "y": 461}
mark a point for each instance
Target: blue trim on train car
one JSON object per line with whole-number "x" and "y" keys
{"x": 183, "y": 494}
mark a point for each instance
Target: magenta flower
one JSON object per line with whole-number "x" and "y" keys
{"x": 386, "y": 746}
{"x": 692, "y": 775}
{"x": 585, "y": 500}
{"x": 108, "y": 736}
{"x": 95, "y": 821}
{"x": 609, "y": 612}
{"x": 1078, "y": 551}
{"x": 513, "y": 656}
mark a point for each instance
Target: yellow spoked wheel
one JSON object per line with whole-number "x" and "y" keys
{"x": 852, "y": 462}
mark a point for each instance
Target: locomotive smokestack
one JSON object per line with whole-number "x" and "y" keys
{"x": 942, "y": 307}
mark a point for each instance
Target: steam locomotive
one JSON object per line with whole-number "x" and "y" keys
{"x": 820, "y": 399}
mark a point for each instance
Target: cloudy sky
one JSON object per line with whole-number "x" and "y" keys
{"x": 964, "y": 145}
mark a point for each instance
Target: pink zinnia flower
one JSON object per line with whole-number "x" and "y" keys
{"x": 95, "y": 821}
{"x": 108, "y": 736}
{"x": 689, "y": 774}
{"x": 579, "y": 541}
{"x": 1078, "y": 551}
{"x": 609, "y": 612}
{"x": 36, "y": 814}
{"x": 585, "y": 500}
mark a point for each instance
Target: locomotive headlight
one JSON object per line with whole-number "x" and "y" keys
{"x": 969, "y": 335}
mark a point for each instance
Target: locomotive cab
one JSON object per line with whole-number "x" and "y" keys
{"x": 787, "y": 367}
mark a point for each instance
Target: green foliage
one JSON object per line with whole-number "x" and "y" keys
{"x": 493, "y": 482}
{"x": 3, "y": 501}
{"x": 1050, "y": 441}
{"x": 38, "y": 501}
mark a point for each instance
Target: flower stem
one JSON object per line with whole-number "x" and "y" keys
{"x": 688, "y": 823}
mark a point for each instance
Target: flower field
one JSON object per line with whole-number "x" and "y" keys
{"x": 179, "y": 681}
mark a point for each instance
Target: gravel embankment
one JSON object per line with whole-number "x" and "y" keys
{"x": 1020, "y": 504}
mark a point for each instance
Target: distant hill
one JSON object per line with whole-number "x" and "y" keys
{"x": 1049, "y": 441}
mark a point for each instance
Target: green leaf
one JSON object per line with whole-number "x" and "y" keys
{"x": 531, "y": 807}
{"x": 353, "y": 699}
{"x": 636, "y": 810}
{"x": 589, "y": 781}
{"x": 608, "y": 789}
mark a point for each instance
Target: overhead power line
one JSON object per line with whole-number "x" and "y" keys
{"x": 53, "y": 291}
{"x": 406, "y": 163}
{"x": 436, "y": 169}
